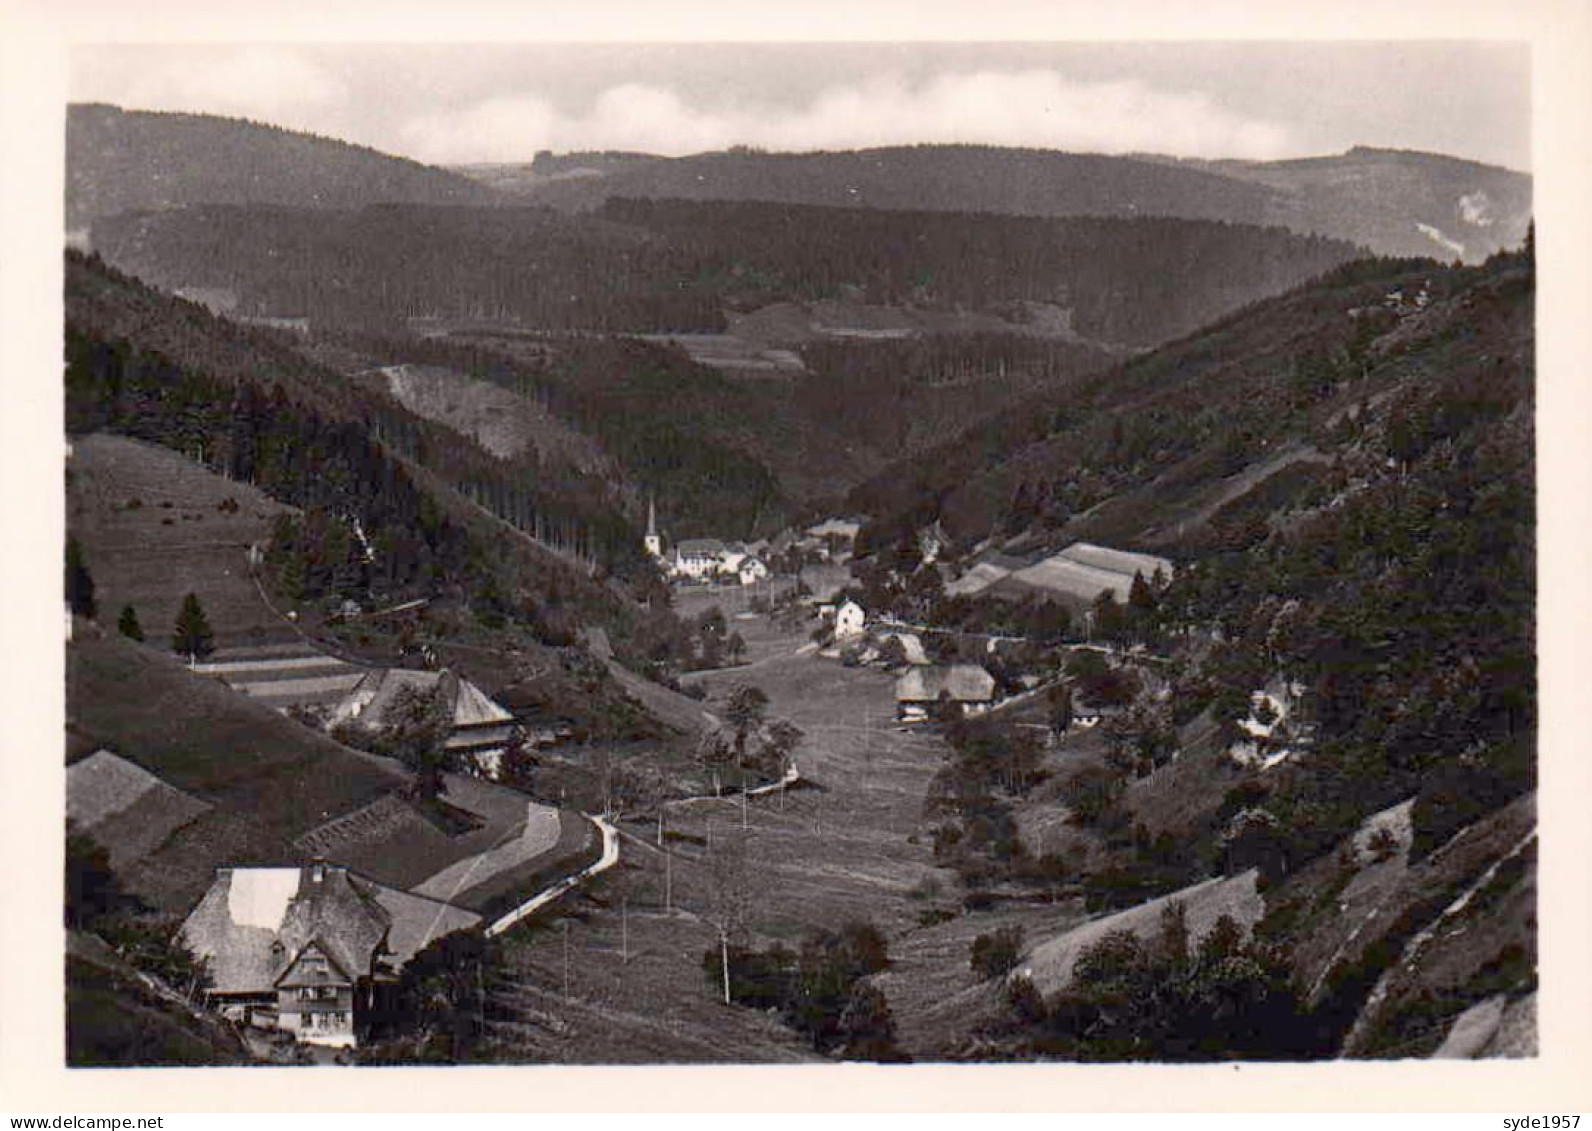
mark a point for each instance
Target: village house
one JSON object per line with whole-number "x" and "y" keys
{"x": 850, "y": 620}
{"x": 482, "y": 730}
{"x": 921, "y": 690}
{"x": 752, "y": 570}
{"x": 697, "y": 558}
{"x": 309, "y": 950}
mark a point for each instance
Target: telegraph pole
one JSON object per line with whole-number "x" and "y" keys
{"x": 668, "y": 881}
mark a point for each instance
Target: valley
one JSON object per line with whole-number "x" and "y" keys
{"x": 1080, "y": 614}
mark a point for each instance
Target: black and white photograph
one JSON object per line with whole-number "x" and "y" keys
{"x": 898, "y": 551}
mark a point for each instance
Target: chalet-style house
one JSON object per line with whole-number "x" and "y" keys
{"x": 921, "y": 690}
{"x": 482, "y": 729}
{"x": 310, "y": 950}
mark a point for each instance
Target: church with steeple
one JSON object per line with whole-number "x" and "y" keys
{"x": 652, "y": 541}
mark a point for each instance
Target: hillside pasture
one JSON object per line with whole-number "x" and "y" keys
{"x": 156, "y": 526}
{"x": 1049, "y": 963}
{"x": 123, "y": 807}
{"x": 266, "y": 778}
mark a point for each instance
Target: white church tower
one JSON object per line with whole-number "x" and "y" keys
{"x": 652, "y": 542}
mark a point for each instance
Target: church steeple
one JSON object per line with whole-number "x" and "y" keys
{"x": 653, "y": 544}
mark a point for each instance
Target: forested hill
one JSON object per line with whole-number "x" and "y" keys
{"x": 1393, "y": 202}
{"x": 951, "y": 178}
{"x": 1344, "y": 478}
{"x": 246, "y": 402}
{"x": 123, "y": 159}
{"x": 660, "y": 266}
{"x": 1142, "y": 451}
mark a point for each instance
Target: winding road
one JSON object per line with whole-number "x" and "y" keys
{"x": 608, "y": 859}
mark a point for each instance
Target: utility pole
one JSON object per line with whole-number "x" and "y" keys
{"x": 668, "y": 881}
{"x": 724, "y": 958}
{"x": 745, "y": 793}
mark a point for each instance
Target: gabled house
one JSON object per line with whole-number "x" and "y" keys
{"x": 850, "y": 620}
{"x": 752, "y": 570}
{"x": 482, "y": 729}
{"x": 921, "y": 690}
{"x": 310, "y": 950}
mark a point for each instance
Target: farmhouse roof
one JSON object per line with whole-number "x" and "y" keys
{"x": 704, "y": 547}
{"x": 254, "y": 922}
{"x": 373, "y": 698}
{"x": 911, "y": 646}
{"x": 964, "y": 683}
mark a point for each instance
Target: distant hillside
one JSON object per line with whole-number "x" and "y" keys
{"x": 673, "y": 266}
{"x": 952, "y": 178}
{"x": 1398, "y": 202}
{"x": 123, "y": 159}
{"x": 395, "y": 507}
{"x": 1395, "y": 203}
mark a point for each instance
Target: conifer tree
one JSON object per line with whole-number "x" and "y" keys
{"x": 127, "y": 624}
{"x": 191, "y": 636}
{"x": 79, "y": 583}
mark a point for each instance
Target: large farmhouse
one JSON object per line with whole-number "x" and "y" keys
{"x": 310, "y": 950}
{"x": 482, "y": 730}
{"x": 921, "y": 690}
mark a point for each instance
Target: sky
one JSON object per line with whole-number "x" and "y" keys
{"x": 455, "y": 104}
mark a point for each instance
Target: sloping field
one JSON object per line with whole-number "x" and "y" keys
{"x": 291, "y": 674}
{"x": 1049, "y": 965}
{"x": 678, "y": 711}
{"x": 977, "y": 579}
{"x": 155, "y": 526}
{"x": 125, "y": 808}
{"x": 1058, "y": 574}
{"x": 266, "y": 778}
{"x": 1118, "y": 561}
{"x": 501, "y": 421}
{"x": 114, "y": 1017}
{"x": 536, "y": 835}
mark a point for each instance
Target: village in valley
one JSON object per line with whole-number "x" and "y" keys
{"x": 933, "y": 603}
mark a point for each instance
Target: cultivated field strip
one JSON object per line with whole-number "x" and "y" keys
{"x": 284, "y": 675}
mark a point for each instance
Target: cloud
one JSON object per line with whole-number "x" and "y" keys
{"x": 274, "y": 84}
{"x": 1039, "y": 108}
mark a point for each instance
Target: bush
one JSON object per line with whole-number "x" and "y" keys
{"x": 996, "y": 953}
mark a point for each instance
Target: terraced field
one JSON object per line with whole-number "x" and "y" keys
{"x": 294, "y": 673}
